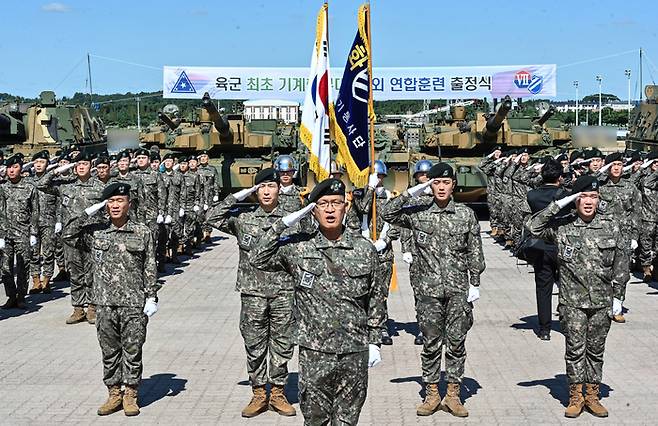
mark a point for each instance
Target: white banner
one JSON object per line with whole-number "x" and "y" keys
{"x": 388, "y": 83}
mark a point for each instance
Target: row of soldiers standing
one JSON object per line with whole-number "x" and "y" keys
{"x": 38, "y": 198}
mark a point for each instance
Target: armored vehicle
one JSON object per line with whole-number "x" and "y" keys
{"x": 49, "y": 125}
{"x": 643, "y": 127}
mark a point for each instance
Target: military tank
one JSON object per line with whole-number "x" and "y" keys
{"x": 47, "y": 124}
{"x": 643, "y": 128}
{"x": 238, "y": 147}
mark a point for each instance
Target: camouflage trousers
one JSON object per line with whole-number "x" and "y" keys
{"x": 443, "y": 322}
{"x": 58, "y": 248}
{"x": 188, "y": 227}
{"x": 79, "y": 268}
{"x": 265, "y": 324}
{"x": 121, "y": 334}
{"x": 585, "y": 331}
{"x": 493, "y": 202}
{"x": 648, "y": 242}
{"x": 384, "y": 280}
{"x": 332, "y": 387}
{"x": 43, "y": 254}
{"x": 15, "y": 261}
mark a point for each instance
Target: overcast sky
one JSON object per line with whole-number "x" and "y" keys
{"x": 43, "y": 45}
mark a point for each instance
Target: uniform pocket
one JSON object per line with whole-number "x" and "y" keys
{"x": 607, "y": 249}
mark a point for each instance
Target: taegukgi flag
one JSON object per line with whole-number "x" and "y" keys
{"x": 314, "y": 130}
{"x": 350, "y": 113}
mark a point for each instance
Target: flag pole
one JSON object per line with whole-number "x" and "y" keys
{"x": 371, "y": 121}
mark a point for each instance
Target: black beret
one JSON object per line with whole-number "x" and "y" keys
{"x": 496, "y": 148}
{"x": 652, "y": 155}
{"x": 155, "y": 156}
{"x": 635, "y": 156}
{"x": 191, "y": 157}
{"x": 103, "y": 160}
{"x": 615, "y": 156}
{"x": 20, "y": 154}
{"x": 116, "y": 188}
{"x": 113, "y": 157}
{"x": 84, "y": 156}
{"x": 266, "y": 175}
{"x": 329, "y": 186}
{"x": 41, "y": 155}
{"x": 14, "y": 159}
{"x": 593, "y": 153}
{"x": 575, "y": 155}
{"x": 522, "y": 151}
{"x": 168, "y": 156}
{"x": 585, "y": 183}
{"x": 562, "y": 157}
{"x": 74, "y": 147}
{"x": 441, "y": 170}
{"x": 182, "y": 158}
{"x": 142, "y": 151}
{"x": 123, "y": 154}
{"x": 203, "y": 152}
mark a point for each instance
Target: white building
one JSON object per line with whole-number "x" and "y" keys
{"x": 287, "y": 111}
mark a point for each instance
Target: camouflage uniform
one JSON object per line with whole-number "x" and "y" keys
{"x": 136, "y": 192}
{"x": 172, "y": 182}
{"x": 19, "y": 219}
{"x": 290, "y": 200}
{"x": 190, "y": 195}
{"x": 338, "y": 310}
{"x": 266, "y": 297}
{"x": 124, "y": 276}
{"x": 211, "y": 180}
{"x": 75, "y": 197}
{"x": 649, "y": 236}
{"x": 200, "y": 216}
{"x": 43, "y": 253}
{"x": 593, "y": 268}
{"x": 448, "y": 258}
{"x": 488, "y": 166}
{"x": 153, "y": 203}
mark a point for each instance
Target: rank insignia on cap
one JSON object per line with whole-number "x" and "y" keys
{"x": 335, "y": 186}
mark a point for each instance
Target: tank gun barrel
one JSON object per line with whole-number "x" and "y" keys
{"x": 495, "y": 122}
{"x": 167, "y": 120}
{"x": 220, "y": 122}
{"x": 547, "y": 115}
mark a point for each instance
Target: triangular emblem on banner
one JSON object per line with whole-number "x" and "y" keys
{"x": 183, "y": 85}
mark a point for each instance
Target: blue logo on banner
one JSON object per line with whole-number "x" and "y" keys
{"x": 536, "y": 84}
{"x": 183, "y": 85}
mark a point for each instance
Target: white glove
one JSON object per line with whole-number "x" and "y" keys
{"x": 634, "y": 244}
{"x": 176, "y": 167}
{"x": 62, "y": 169}
{"x": 563, "y": 202}
{"x": 415, "y": 191}
{"x": 205, "y": 207}
{"x": 627, "y": 168}
{"x": 95, "y": 208}
{"x": 2, "y": 243}
{"x": 167, "y": 220}
{"x": 196, "y": 208}
{"x": 244, "y": 193}
{"x": 374, "y": 356}
{"x": 215, "y": 198}
{"x": 605, "y": 168}
{"x": 373, "y": 181}
{"x": 159, "y": 219}
{"x": 150, "y": 307}
{"x": 537, "y": 166}
{"x": 616, "y": 306}
{"x": 646, "y": 164}
{"x": 384, "y": 230}
{"x": 294, "y": 218}
{"x": 33, "y": 240}
{"x": 58, "y": 228}
{"x": 473, "y": 293}
{"x": 408, "y": 258}
{"x": 181, "y": 213}
{"x": 493, "y": 153}
{"x": 380, "y": 245}
{"x": 517, "y": 159}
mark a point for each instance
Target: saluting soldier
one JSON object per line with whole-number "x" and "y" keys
{"x": 448, "y": 262}
{"x": 103, "y": 169}
{"x": 593, "y": 270}
{"x": 19, "y": 227}
{"x": 211, "y": 177}
{"x": 124, "y": 290}
{"x": 339, "y": 305}
{"x": 290, "y": 195}
{"x": 266, "y": 297}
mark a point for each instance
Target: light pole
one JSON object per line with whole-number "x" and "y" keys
{"x": 599, "y": 79}
{"x": 628, "y": 76}
{"x": 575, "y": 84}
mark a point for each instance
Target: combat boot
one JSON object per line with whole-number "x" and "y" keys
{"x": 646, "y": 270}
{"x": 9, "y": 304}
{"x": 91, "y": 314}
{"x": 258, "y": 403}
{"x": 451, "y": 402}
{"x": 386, "y": 338}
{"x": 494, "y": 232}
{"x": 576, "y": 401}
{"x": 592, "y": 402}
{"x": 113, "y": 403}
{"x": 36, "y": 285}
{"x": 130, "y": 407}
{"x": 279, "y": 403}
{"x": 45, "y": 285}
{"x": 432, "y": 400}
{"x": 419, "y": 339}
{"x": 77, "y": 316}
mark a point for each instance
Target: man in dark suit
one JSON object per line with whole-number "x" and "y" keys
{"x": 545, "y": 260}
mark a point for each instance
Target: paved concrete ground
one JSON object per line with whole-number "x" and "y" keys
{"x": 195, "y": 369}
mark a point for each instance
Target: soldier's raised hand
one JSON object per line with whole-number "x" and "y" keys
{"x": 563, "y": 202}
{"x": 647, "y": 163}
{"x": 244, "y": 193}
{"x": 416, "y": 190}
{"x": 605, "y": 168}
{"x": 95, "y": 208}
{"x": 65, "y": 167}
{"x": 295, "y": 217}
